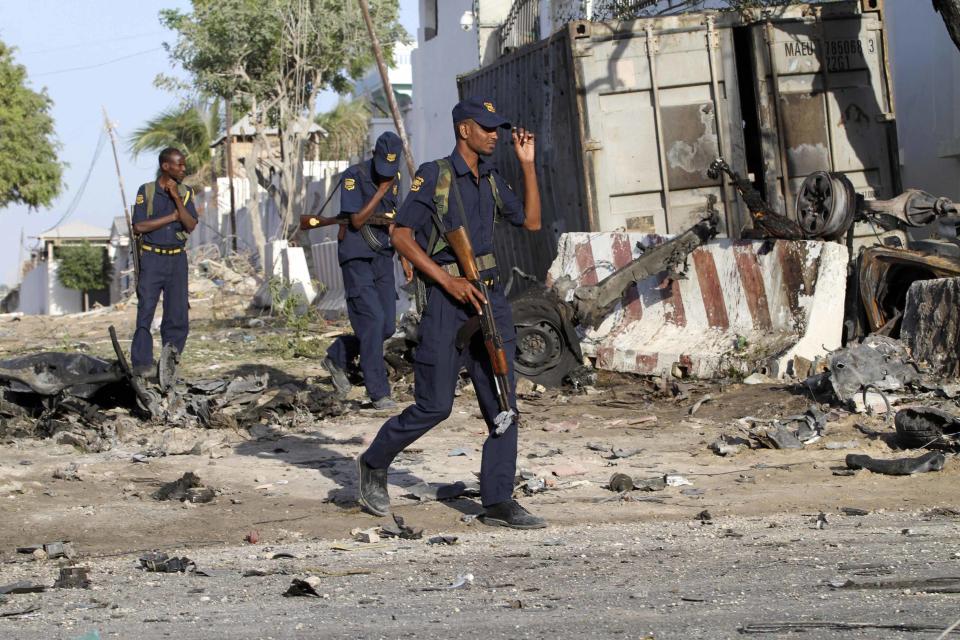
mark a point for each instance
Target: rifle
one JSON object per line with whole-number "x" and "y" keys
{"x": 308, "y": 222}
{"x": 459, "y": 241}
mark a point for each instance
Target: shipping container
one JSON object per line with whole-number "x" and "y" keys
{"x": 629, "y": 115}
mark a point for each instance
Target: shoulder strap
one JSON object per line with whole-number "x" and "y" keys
{"x": 149, "y": 191}
{"x": 441, "y": 201}
{"x": 498, "y": 203}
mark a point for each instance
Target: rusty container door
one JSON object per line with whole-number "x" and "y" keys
{"x": 534, "y": 88}
{"x": 660, "y": 103}
{"x": 824, "y": 100}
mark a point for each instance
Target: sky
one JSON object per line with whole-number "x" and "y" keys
{"x": 90, "y": 55}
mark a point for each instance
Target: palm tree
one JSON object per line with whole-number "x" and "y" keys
{"x": 192, "y": 128}
{"x": 347, "y": 126}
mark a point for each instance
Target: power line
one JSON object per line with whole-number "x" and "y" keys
{"x": 90, "y": 42}
{"x": 96, "y": 66}
{"x": 75, "y": 202}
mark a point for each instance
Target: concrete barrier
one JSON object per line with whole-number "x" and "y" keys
{"x": 742, "y": 305}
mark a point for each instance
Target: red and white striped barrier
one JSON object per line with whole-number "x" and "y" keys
{"x": 742, "y": 304}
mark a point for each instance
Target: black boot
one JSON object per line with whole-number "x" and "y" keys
{"x": 511, "y": 514}
{"x": 338, "y": 377}
{"x": 373, "y": 489}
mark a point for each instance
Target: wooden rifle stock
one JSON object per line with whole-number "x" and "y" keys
{"x": 459, "y": 242}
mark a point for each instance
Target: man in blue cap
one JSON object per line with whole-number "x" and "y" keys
{"x": 462, "y": 189}
{"x": 366, "y": 260}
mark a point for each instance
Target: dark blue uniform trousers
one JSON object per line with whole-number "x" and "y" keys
{"x": 166, "y": 274}
{"x": 372, "y": 308}
{"x": 437, "y": 364}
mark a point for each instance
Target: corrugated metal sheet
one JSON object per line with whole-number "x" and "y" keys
{"x": 533, "y": 87}
{"x": 629, "y": 115}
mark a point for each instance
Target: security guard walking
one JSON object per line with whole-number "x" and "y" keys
{"x": 366, "y": 260}
{"x": 461, "y": 187}
{"x": 163, "y": 216}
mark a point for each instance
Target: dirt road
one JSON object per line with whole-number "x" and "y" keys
{"x": 607, "y": 566}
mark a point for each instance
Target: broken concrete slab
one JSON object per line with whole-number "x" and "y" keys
{"x": 931, "y": 324}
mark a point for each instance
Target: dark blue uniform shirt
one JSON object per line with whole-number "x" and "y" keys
{"x": 170, "y": 235}
{"x": 478, "y": 202}
{"x": 356, "y": 189}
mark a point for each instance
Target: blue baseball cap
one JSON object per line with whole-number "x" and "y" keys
{"x": 386, "y": 155}
{"x": 480, "y": 110}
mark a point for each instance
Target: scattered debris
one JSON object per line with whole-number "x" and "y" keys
{"x": 919, "y": 427}
{"x": 73, "y": 578}
{"x": 620, "y": 482}
{"x": 51, "y": 550}
{"x": 71, "y": 472}
{"x": 758, "y": 378}
{"x": 699, "y": 403}
{"x": 464, "y": 581}
{"x": 461, "y": 451}
{"x": 187, "y": 488}
{"x": 302, "y": 588}
{"x": 676, "y": 481}
{"x": 443, "y": 540}
{"x": 658, "y": 483}
{"x": 932, "y": 461}
{"x": 370, "y": 535}
{"x": 22, "y": 587}
{"x": 727, "y": 446}
{"x": 400, "y": 529}
{"x": 878, "y": 363}
{"x": 253, "y": 537}
{"x": 854, "y": 511}
{"x": 427, "y": 492}
{"x": 160, "y": 562}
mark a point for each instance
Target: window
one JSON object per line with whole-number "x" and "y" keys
{"x": 429, "y": 19}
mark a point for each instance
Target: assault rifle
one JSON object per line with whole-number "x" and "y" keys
{"x": 459, "y": 241}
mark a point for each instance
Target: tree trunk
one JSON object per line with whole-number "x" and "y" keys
{"x": 253, "y": 204}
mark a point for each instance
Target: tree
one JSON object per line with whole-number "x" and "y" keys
{"x": 274, "y": 56}
{"x": 191, "y": 127}
{"x": 83, "y": 267}
{"x": 30, "y": 172}
{"x": 347, "y": 126}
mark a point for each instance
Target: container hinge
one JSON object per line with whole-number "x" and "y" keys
{"x": 713, "y": 38}
{"x": 653, "y": 43}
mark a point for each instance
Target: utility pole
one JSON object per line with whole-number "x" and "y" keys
{"x": 20, "y": 260}
{"x": 388, "y": 88}
{"x": 123, "y": 198}
{"x": 229, "y": 146}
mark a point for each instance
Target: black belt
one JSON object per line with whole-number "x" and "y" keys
{"x": 164, "y": 251}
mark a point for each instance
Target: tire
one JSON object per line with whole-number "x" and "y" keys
{"x": 922, "y": 426}
{"x": 544, "y": 354}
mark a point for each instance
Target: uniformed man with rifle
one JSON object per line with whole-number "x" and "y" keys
{"x": 368, "y": 201}
{"x": 446, "y": 229}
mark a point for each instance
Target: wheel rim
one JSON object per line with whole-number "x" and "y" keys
{"x": 824, "y": 204}
{"x": 539, "y": 347}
